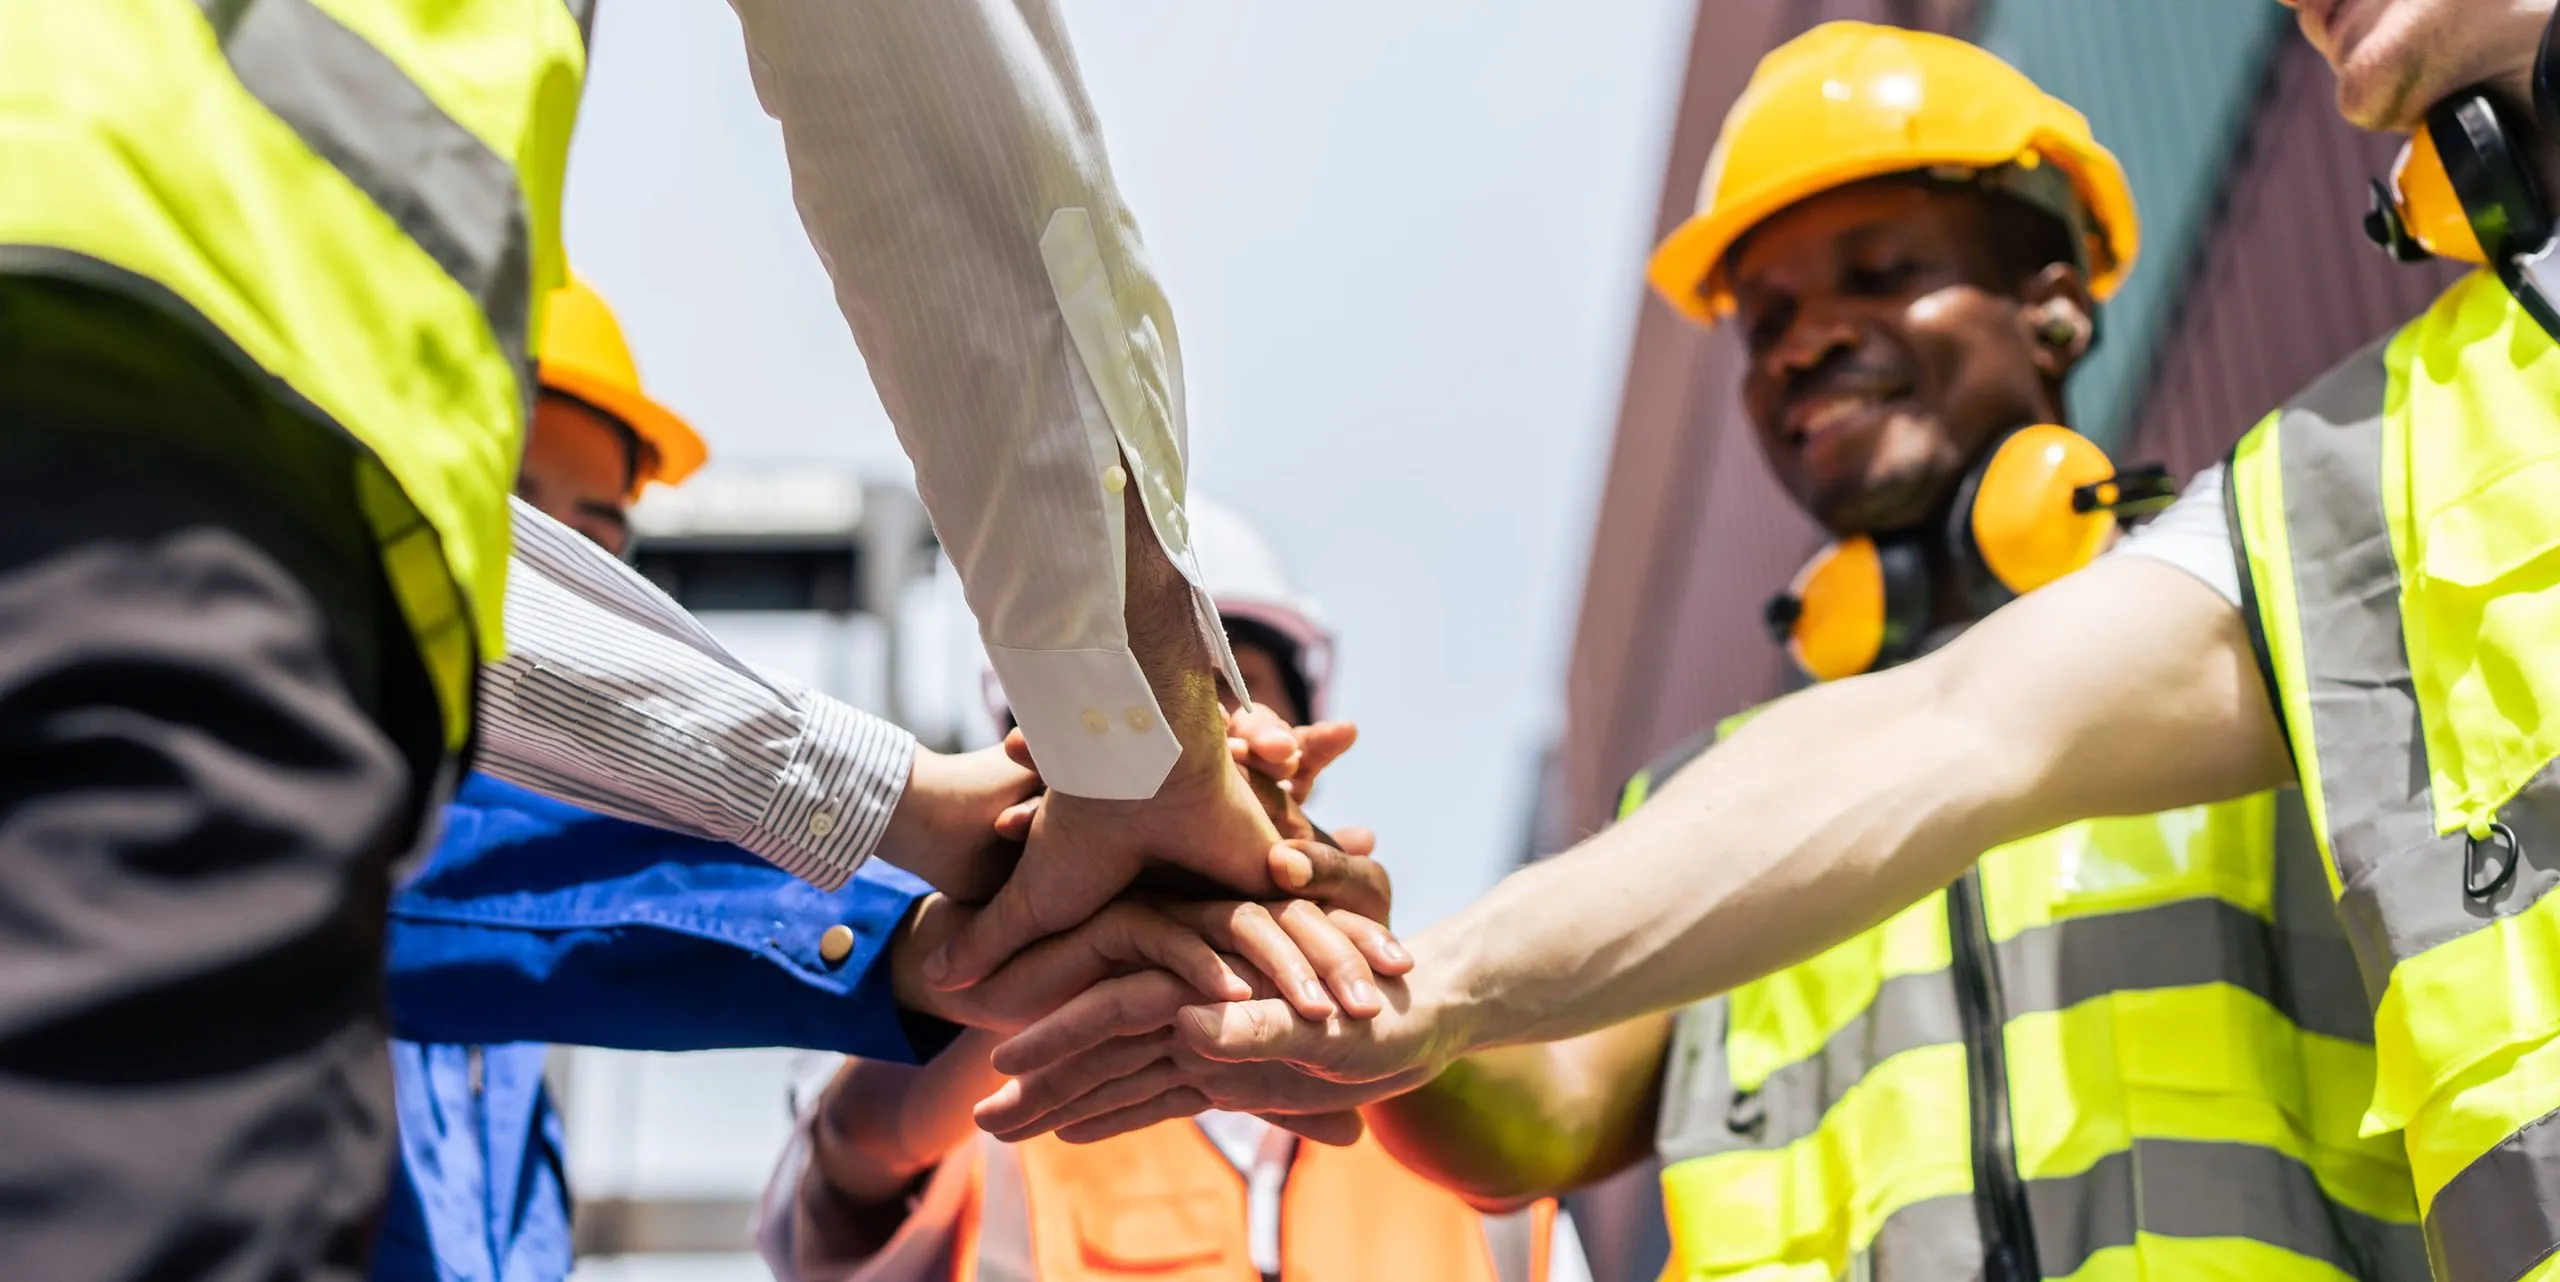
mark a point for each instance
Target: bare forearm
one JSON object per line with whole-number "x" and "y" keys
{"x": 2126, "y": 689}
{"x": 881, "y": 1125}
{"x": 1757, "y": 856}
{"x": 1506, "y": 1126}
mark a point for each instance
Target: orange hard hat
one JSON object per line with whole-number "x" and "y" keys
{"x": 1848, "y": 101}
{"x": 584, "y": 356}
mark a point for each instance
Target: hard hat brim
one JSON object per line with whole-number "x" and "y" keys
{"x": 680, "y": 450}
{"x": 1687, "y": 269}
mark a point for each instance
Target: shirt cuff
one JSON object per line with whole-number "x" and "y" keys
{"x": 1091, "y": 719}
{"x": 835, "y": 797}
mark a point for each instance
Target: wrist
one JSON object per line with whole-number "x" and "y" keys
{"x": 927, "y": 925}
{"x": 1447, "y": 1001}
{"x": 943, "y": 829}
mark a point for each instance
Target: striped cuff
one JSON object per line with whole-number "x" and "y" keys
{"x": 835, "y": 797}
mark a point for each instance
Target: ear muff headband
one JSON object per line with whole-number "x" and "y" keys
{"x": 2038, "y": 506}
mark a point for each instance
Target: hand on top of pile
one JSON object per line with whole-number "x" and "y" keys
{"x": 1214, "y": 830}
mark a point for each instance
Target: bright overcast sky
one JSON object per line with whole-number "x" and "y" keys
{"x": 1403, "y": 242}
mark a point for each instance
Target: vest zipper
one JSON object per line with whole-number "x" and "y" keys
{"x": 1999, "y": 1196}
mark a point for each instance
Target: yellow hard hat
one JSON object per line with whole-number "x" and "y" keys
{"x": 1848, "y": 101}
{"x": 584, "y": 356}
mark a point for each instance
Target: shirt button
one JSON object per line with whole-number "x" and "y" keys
{"x": 1115, "y": 478}
{"x": 1137, "y": 719}
{"x": 1095, "y": 722}
{"x": 822, "y": 823}
{"x": 835, "y": 945}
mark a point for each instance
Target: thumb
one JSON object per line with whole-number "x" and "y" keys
{"x": 1044, "y": 896}
{"x": 1341, "y": 1130}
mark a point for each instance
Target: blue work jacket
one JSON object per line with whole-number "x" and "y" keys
{"x": 538, "y": 922}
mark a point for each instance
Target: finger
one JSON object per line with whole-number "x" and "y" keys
{"x": 1341, "y": 1130}
{"x": 1375, "y": 942}
{"x": 1319, "y": 746}
{"x": 1130, "y": 1091}
{"x": 1137, "y": 933}
{"x": 1041, "y": 898}
{"x": 1015, "y": 823}
{"x": 1271, "y": 743}
{"x": 1249, "y": 931}
{"x": 1129, "y": 1006}
{"x": 1333, "y": 955}
{"x": 1181, "y": 1102}
{"x": 1334, "y": 878}
{"x": 1034, "y": 1094}
{"x": 1063, "y": 968}
{"x": 1356, "y": 841}
{"x": 1019, "y": 749}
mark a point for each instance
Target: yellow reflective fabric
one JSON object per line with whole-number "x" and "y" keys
{"x": 1786, "y": 1018}
{"x": 2469, "y": 493}
{"x": 511, "y": 73}
{"x": 140, "y": 157}
{"x": 2134, "y": 954}
{"x": 1898, "y": 1137}
{"x": 2415, "y": 686}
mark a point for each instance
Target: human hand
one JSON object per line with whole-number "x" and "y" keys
{"x": 1326, "y": 947}
{"x": 1207, "y": 821}
{"x": 1136, "y": 1050}
{"x": 948, "y": 826}
{"x": 1291, "y": 757}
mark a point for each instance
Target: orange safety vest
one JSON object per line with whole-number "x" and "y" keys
{"x": 1165, "y": 1205}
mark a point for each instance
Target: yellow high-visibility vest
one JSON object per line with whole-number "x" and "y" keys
{"x": 2401, "y": 523}
{"x": 355, "y": 200}
{"x": 2128, "y": 1048}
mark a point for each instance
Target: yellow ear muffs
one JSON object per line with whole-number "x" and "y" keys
{"x": 1858, "y": 605}
{"x": 2039, "y": 505}
{"x": 2022, "y": 519}
{"x": 2418, "y": 214}
{"x": 2043, "y": 503}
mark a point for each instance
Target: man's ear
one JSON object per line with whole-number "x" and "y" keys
{"x": 2060, "y": 316}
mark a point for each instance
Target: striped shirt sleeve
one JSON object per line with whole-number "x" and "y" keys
{"x": 614, "y": 698}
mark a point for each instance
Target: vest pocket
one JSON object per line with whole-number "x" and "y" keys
{"x": 1168, "y": 1229}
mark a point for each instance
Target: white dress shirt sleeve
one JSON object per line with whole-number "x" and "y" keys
{"x": 951, "y": 174}
{"x": 2193, "y": 535}
{"x": 614, "y": 698}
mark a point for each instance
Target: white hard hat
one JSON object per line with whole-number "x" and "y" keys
{"x": 1252, "y": 593}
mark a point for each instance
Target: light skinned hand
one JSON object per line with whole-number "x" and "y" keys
{"x": 1135, "y": 1050}
{"x": 949, "y": 825}
{"x": 1313, "y": 749}
{"x": 1216, "y": 828}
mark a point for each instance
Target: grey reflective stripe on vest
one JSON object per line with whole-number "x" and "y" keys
{"x": 585, "y": 12}
{"x": 2402, "y": 878}
{"x": 1004, "y": 1217}
{"x": 2166, "y": 1188}
{"x": 1510, "y": 1241}
{"x": 2492, "y": 1220}
{"x": 2053, "y": 967}
{"x": 435, "y": 179}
